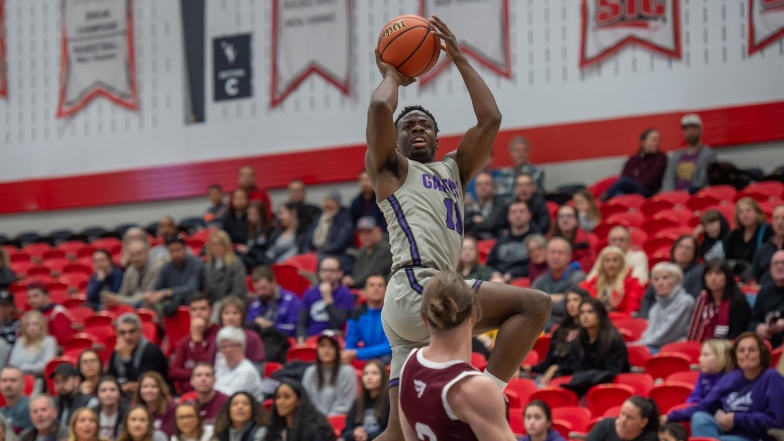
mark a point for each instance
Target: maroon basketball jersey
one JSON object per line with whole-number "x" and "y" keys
{"x": 423, "y": 389}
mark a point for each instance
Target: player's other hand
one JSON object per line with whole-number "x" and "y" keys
{"x": 387, "y": 70}
{"x": 448, "y": 39}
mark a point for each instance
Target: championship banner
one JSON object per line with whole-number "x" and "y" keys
{"x": 97, "y": 54}
{"x": 609, "y": 25}
{"x": 766, "y": 23}
{"x": 3, "y": 67}
{"x": 482, "y": 30}
{"x": 310, "y": 37}
{"x": 232, "y": 67}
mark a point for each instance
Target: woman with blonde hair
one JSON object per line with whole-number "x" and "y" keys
{"x": 35, "y": 347}
{"x": 610, "y": 281}
{"x": 224, "y": 272}
{"x": 715, "y": 361}
{"x": 84, "y": 426}
{"x": 751, "y": 231}
{"x": 153, "y": 394}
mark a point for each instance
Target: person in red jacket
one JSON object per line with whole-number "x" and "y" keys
{"x": 246, "y": 180}
{"x": 567, "y": 226}
{"x": 610, "y": 281}
{"x": 58, "y": 320}
{"x": 195, "y": 347}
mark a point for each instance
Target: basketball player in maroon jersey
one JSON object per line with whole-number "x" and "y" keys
{"x": 443, "y": 397}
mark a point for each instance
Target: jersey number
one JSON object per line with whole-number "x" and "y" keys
{"x": 425, "y": 433}
{"x": 453, "y": 214}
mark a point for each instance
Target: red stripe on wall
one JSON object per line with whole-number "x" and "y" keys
{"x": 556, "y": 143}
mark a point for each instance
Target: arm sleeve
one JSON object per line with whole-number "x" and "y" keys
{"x": 344, "y": 237}
{"x": 757, "y": 313}
{"x": 337, "y": 316}
{"x": 177, "y": 370}
{"x": 60, "y": 326}
{"x": 352, "y": 334}
{"x": 191, "y": 286}
{"x": 710, "y": 404}
{"x": 758, "y": 422}
{"x": 346, "y": 391}
{"x": 377, "y": 350}
{"x": 698, "y": 393}
{"x": 48, "y": 352}
{"x": 348, "y": 430}
{"x": 617, "y": 360}
{"x": 665, "y": 324}
{"x": 116, "y": 281}
{"x": 288, "y": 324}
{"x": 161, "y": 280}
{"x": 94, "y": 287}
{"x": 739, "y": 319}
{"x": 239, "y": 287}
{"x": 668, "y": 181}
{"x": 302, "y": 323}
{"x": 126, "y": 295}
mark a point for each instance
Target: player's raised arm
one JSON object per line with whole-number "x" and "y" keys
{"x": 477, "y": 143}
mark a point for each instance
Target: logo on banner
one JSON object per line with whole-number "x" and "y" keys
{"x": 482, "y": 28}
{"x": 609, "y": 25}
{"x": 232, "y": 67}
{"x": 766, "y": 23}
{"x": 3, "y": 66}
{"x": 97, "y": 54}
{"x": 310, "y": 37}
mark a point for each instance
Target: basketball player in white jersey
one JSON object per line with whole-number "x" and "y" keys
{"x": 422, "y": 200}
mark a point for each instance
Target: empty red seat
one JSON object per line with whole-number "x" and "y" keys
{"x": 80, "y": 313}
{"x": 761, "y": 191}
{"x": 702, "y": 202}
{"x": 478, "y": 361}
{"x": 634, "y": 325}
{"x": 338, "y": 423}
{"x": 555, "y": 397}
{"x": 672, "y": 197}
{"x": 638, "y": 356}
{"x": 651, "y": 207}
{"x": 523, "y": 387}
{"x": 654, "y": 226}
{"x": 305, "y": 261}
{"x": 603, "y": 396}
{"x": 289, "y": 278}
{"x": 627, "y": 200}
{"x": 71, "y": 247}
{"x": 542, "y": 346}
{"x": 641, "y": 383}
{"x": 657, "y": 245}
{"x": 722, "y": 192}
{"x": 36, "y": 250}
{"x": 599, "y": 187}
{"x": 627, "y": 218}
{"x": 57, "y": 264}
{"x": 21, "y": 267}
{"x": 563, "y": 427}
{"x": 38, "y": 271}
{"x": 76, "y": 268}
{"x": 690, "y": 349}
{"x": 668, "y": 395}
{"x": 664, "y": 364}
{"x": 270, "y": 367}
{"x": 657, "y": 257}
{"x": 688, "y": 377}
{"x": 578, "y": 417}
{"x": 516, "y": 423}
{"x": 776, "y": 356}
{"x": 531, "y": 359}
{"x": 54, "y": 253}
{"x": 177, "y": 327}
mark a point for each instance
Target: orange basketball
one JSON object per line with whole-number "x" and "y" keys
{"x": 407, "y": 44}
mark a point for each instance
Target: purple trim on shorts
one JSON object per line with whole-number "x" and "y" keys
{"x": 413, "y": 281}
{"x": 476, "y": 285}
{"x": 394, "y": 383}
{"x": 401, "y": 219}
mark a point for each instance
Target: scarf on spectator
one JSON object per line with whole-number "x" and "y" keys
{"x": 709, "y": 321}
{"x": 136, "y": 359}
{"x": 322, "y": 229}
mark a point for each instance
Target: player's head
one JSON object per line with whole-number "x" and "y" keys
{"x": 448, "y": 302}
{"x": 417, "y": 134}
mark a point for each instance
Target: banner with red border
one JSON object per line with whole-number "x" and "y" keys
{"x": 482, "y": 30}
{"x": 310, "y": 37}
{"x": 766, "y": 23}
{"x": 609, "y": 25}
{"x": 3, "y": 65}
{"x": 97, "y": 54}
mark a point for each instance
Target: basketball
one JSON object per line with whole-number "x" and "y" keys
{"x": 407, "y": 44}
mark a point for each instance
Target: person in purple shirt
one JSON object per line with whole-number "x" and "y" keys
{"x": 687, "y": 169}
{"x": 327, "y": 305}
{"x": 643, "y": 171}
{"x": 273, "y": 305}
{"x": 714, "y": 363}
{"x": 745, "y": 403}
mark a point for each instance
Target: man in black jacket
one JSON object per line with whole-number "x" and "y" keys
{"x": 68, "y": 398}
{"x": 43, "y": 413}
{"x": 525, "y": 190}
{"x": 134, "y": 355}
{"x": 767, "y": 317}
{"x": 509, "y": 257}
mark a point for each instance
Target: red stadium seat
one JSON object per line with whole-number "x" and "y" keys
{"x": 557, "y": 381}
{"x": 54, "y": 253}
{"x": 515, "y": 423}
{"x": 599, "y": 187}
{"x": 722, "y": 192}
{"x": 478, "y": 361}
{"x": 521, "y": 282}
{"x": 176, "y": 327}
{"x": 38, "y": 271}
{"x": 75, "y": 280}
{"x": 23, "y": 266}
{"x": 189, "y": 396}
{"x": 641, "y": 383}
{"x": 672, "y": 197}
{"x": 531, "y": 359}
{"x": 306, "y": 261}
{"x": 270, "y": 367}
{"x": 29, "y": 384}
{"x": 71, "y": 247}
{"x": 761, "y": 191}
{"x": 776, "y": 356}
{"x": 77, "y": 268}
{"x": 36, "y": 250}
{"x": 542, "y": 346}
{"x": 690, "y": 349}
{"x": 608, "y": 210}
{"x": 702, "y": 202}
{"x": 578, "y": 417}
{"x": 106, "y": 243}
{"x": 651, "y": 207}
{"x": 657, "y": 245}
{"x": 627, "y": 200}
{"x": 99, "y": 319}
{"x": 150, "y": 331}
{"x": 603, "y": 229}
{"x": 86, "y": 251}
{"x": 555, "y": 397}
{"x": 664, "y": 364}
{"x": 78, "y": 343}
{"x": 147, "y": 315}
{"x": 603, "y": 396}
{"x": 338, "y": 423}
{"x": 289, "y": 278}
{"x": 612, "y": 412}
{"x": 668, "y": 395}
{"x": 302, "y": 353}
{"x": 57, "y": 264}
{"x": 688, "y": 377}
{"x": 634, "y": 325}
{"x": 563, "y": 427}
{"x": 515, "y": 404}
{"x": 661, "y": 256}
{"x": 74, "y": 301}
{"x": 627, "y": 218}
{"x": 638, "y": 356}
{"x": 80, "y": 313}
{"x": 268, "y": 403}
{"x": 523, "y": 387}
{"x": 654, "y": 226}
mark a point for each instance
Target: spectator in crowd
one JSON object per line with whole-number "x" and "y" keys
{"x": 767, "y": 316}
{"x": 611, "y": 282}
{"x": 289, "y": 238}
{"x": 16, "y": 410}
{"x": 470, "y": 266}
{"x": 58, "y": 322}
{"x": 153, "y": 393}
{"x": 538, "y": 422}
{"x": 90, "y": 369}
{"x": 140, "y": 276}
{"x": 525, "y": 191}
{"x": 332, "y": 234}
{"x": 673, "y": 432}
{"x": 130, "y": 235}
{"x": 178, "y": 279}
{"x": 636, "y": 260}
{"x": 84, "y": 426}
{"x": 235, "y": 223}
{"x": 240, "y": 374}
{"x": 34, "y": 348}
{"x": 369, "y": 414}
{"x": 246, "y": 180}
{"x": 295, "y": 418}
{"x": 232, "y": 313}
{"x": 567, "y": 226}
{"x": 365, "y": 337}
{"x": 643, "y": 171}
{"x": 6, "y": 431}
{"x": 751, "y": 231}
{"x": 309, "y": 212}
{"x": 260, "y": 225}
{"x": 670, "y": 316}
{"x": 166, "y": 227}
{"x": 365, "y": 203}
{"x": 375, "y": 255}
{"x": 133, "y": 354}
{"x": 9, "y": 324}
{"x": 487, "y": 210}
{"x": 687, "y": 169}
{"x": 105, "y": 279}
{"x": 520, "y": 151}
{"x": 217, "y": 209}
{"x": 224, "y": 272}
{"x": 561, "y": 339}
{"x": 509, "y": 257}
{"x": 66, "y": 390}
{"x": 7, "y": 276}
{"x": 242, "y": 418}
{"x": 210, "y": 401}
{"x": 715, "y": 361}
{"x": 137, "y": 426}
{"x": 745, "y": 403}
{"x": 330, "y": 384}
{"x": 536, "y": 244}
{"x": 720, "y": 295}
{"x": 43, "y": 414}
{"x": 762, "y": 258}
{"x": 190, "y": 425}
{"x": 683, "y": 254}
{"x": 197, "y": 346}
{"x": 587, "y": 210}
{"x": 561, "y": 276}
{"x": 326, "y": 306}
{"x": 638, "y": 421}
{"x": 715, "y": 230}
{"x": 111, "y": 407}
{"x": 598, "y": 353}
{"x": 274, "y": 309}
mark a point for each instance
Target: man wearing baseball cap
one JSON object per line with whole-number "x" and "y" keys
{"x": 375, "y": 256}
{"x": 68, "y": 398}
{"x": 687, "y": 169}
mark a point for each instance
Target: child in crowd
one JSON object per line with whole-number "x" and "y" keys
{"x": 714, "y": 363}
{"x": 673, "y": 432}
{"x": 538, "y": 420}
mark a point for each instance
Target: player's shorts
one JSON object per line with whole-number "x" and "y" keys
{"x": 402, "y": 316}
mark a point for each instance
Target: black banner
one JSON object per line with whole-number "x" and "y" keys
{"x": 231, "y": 67}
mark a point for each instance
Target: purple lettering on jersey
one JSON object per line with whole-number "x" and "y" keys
{"x": 427, "y": 182}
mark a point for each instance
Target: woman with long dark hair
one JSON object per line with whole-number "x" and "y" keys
{"x": 137, "y": 426}
{"x": 751, "y": 231}
{"x": 294, "y": 418}
{"x": 287, "y": 239}
{"x": 721, "y": 310}
{"x": 260, "y": 225}
{"x": 369, "y": 414}
{"x": 638, "y": 421}
{"x": 538, "y": 420}
{"x": 715, "y": 230}
{"x": 111, "y": 407}
{"x": 236, "y": 221}
{"x": 567, "y": 226}
{"x": 242, "y": 418}
{"x": 105, "y": 279}
{"x": 331, "y": 385}
{"x": 153, "y": 393}
{"x": 90, "y": 368}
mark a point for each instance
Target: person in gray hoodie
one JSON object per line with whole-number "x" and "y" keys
{"x": 670, "y": 316}
{"x": 331, "y": 386}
